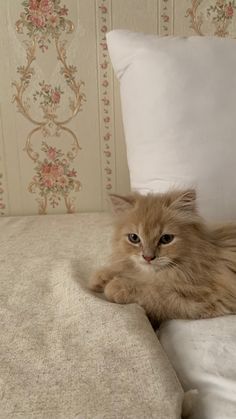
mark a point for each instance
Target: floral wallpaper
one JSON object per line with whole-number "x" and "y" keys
{"x": 61, "y": 139}
{"x": 212, "y": 17}
{"x": 44, "y": 22}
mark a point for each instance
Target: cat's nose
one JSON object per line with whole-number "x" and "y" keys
{"x": 149, "y": 258}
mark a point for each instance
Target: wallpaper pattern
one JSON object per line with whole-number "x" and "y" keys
{"x": 61, "y": 140}
{"x": 55, "y": 177}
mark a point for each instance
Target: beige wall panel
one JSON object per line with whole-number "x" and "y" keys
{"x": 3, "y": 182}
{"x": 83, "y": 52}
{"x": 137, "y": 16}
{"x": 9, "y": 151}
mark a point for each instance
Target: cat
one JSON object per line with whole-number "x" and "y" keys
{"x": 166, "y": 259}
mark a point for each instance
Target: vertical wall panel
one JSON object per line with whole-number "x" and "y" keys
{"x": 137, "y": 16}
{"x": 106, "y": 105}
{"x": 166, "y": 17}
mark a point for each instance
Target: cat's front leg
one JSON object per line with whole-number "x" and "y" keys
{"x": 126, "y": 290}
{"x": 101, "y": 278}
{"x": 122, "y": 290}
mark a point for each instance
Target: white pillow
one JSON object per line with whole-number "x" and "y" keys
{"x": 179, "y": 112}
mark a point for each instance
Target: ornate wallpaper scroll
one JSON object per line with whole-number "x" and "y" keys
{"x": 55, "y": 179}
{"x": 212, "y": 17}
{"x": 61, "y": 140}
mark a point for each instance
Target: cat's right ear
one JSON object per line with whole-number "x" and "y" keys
{"x": 121, "y": 204}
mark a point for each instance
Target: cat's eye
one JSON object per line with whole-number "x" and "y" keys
{"x": 133, "y": 238}
{"x": 166, "y": 238}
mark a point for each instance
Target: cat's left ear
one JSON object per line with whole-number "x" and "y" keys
{"x": 121, "y": 204}
{"x": 186, "y": 200}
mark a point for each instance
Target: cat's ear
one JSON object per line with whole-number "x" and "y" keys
{"x": 121, "y": 204}
{"x": 185, "y": 200}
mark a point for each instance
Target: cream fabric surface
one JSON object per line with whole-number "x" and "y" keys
{"x": 65, "y": 353}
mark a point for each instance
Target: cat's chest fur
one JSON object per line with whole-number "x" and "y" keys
{"x": 147, "y": 272}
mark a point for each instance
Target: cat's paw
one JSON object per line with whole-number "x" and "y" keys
{"x": 100, "y": 279}
{"x": 119, "y": 291}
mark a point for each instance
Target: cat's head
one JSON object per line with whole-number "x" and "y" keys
{"x": 156, "y": 230}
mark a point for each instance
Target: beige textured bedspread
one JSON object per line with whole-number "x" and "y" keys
{"x": 65, "y": 353}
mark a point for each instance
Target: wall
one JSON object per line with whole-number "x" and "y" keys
{"x": 61, "y": 140}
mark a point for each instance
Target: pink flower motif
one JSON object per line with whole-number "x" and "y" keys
{"x": 48, "y": 182}
{"x": 46, "y": 6}
{"x": 104, "y": 29}
{"x": 37, "y": 19}
{"x": 106, "y": 101}
{"x": 2, "y": 205}
{"x": 46, "y": 88}
{"x": 72, "y": 173}
{"x": 55, "y": 96}
{"x": 63, "y": 11}
{"x": 52, "y": 153}
{"x": 104, "y": 65}
{"x": 45, "y": 169}
{"x": 105, "y": 83}
{"x": 107, "y": 154}
{"x": 33, "y": 5}
{"x": 63, "y": 181}
{"x": 107, "y": 136}
{"x": 54, "y": 20}
{"x": 57, "y": 170}
{"x": 108, "y": 171}
{"x": 52, "y": 170}
{"x": 103, "y": 9}
{"x": 229, "y": 11}
{"x": 104, "y": 46}
{"x": 106, "y": 119}
{"x": 166, "y": 18}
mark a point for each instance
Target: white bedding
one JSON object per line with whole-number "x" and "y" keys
{"x": 203, "y": 353}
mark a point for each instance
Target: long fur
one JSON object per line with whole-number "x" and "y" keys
{"x": 192, "y": 277}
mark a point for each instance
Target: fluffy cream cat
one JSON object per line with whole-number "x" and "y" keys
{"x": 167, "y": 260}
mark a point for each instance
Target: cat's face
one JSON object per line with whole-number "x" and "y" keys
{"x": 155, "y": 231}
